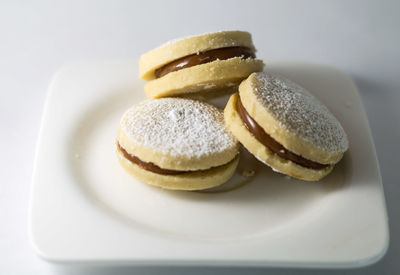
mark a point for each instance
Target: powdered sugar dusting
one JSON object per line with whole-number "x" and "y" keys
{"x": 178, "y": 127}
{"x": 173, "y": 41}
{"x": 300, "y": 112}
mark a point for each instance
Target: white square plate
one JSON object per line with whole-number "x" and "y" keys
{"x": 84, "y": 207}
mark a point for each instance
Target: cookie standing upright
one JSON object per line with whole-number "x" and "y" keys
{"x": 203, "y": 63}
{"x": 177, "y": 143}
{"x": 285, "y": 127}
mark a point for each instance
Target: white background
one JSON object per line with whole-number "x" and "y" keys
{"x": 36, "y": 38}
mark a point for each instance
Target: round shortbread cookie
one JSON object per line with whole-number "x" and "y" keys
{"x": 189, "y": 181}
{"x": 293, "y": 117}
{"x": 208, "y": 77}
{"x": 199, "y": 63}
{"x": 181, "y": 47}
{"x": 262, "y": 153}
{"x": 177, "y": 134}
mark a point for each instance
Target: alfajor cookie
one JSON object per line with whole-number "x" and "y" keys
{"x": 205, "y": 62}
{"x": 177, "y": 143}
{"x": 285, "y": 127}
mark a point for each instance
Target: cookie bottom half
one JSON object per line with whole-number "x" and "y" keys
{"x": 197, "y": 180}
{"x": 208, "y": 77}
{"x": 262, "y": 153}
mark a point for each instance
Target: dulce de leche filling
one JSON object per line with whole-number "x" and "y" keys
{"x": 149, "y": 166}
{"x": 204, "y": 57}
{"x": 277, "y": 148}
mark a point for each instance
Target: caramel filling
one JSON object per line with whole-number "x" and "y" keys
{"x": 149, "y": 166}
{"x": 277, "y": 148}
{"x": 204, "y": 57}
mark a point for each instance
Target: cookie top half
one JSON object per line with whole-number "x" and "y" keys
{"x": 177, "y": 134}
{"x": 293, "y": 117}
{"x": 182, "y": 47}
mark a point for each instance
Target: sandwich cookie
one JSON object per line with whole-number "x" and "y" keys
{"x": 177, "y": 143}
{"x": 285, "y": 127}
{"x": 207, "y": 62}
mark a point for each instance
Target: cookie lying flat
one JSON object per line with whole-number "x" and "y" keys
{"x": 177, "y": 143}
{"x": 285, "y": 127}
{"x": 206, "y": 62}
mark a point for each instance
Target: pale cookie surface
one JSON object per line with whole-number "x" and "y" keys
{"x": 189, "y": 181}
{"x": 300, "y": 112}
{"x": 206, "y": 78}
{"x": 294, "y": 117}
{"x": 264, "y": 154}
{"x": 181, "y": 47}
{"x": 177, "y": 134}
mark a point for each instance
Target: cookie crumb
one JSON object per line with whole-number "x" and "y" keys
{"x": 248, "y": 173}
{"x": 348, "y": 104}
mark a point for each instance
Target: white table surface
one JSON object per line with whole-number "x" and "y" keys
{"x": 36, "y": 38}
